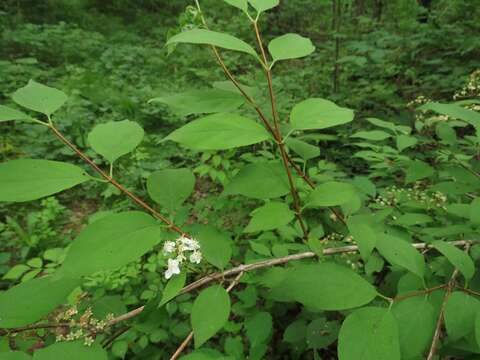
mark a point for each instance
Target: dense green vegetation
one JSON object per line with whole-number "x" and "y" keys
{"x": 284, "y": 196}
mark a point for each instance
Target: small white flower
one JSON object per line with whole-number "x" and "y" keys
{"x": 188, "y": 244}
{"x": 173, "y": 268}
{"x": 169, "y": 247}
{"x": 196, "y": 257}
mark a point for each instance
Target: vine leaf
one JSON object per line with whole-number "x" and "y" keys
{"x": 39, "y": 98}
{"x": 210, "y": 313}
{"x": 30, "y": 179}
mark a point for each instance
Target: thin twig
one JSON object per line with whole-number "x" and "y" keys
{"x": 109, "y": 341}
{"x": 187, "y": 340}
{"x": 419, "y": 293}
{"x": 112, "y": 181}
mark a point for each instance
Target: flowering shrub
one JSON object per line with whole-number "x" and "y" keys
{"x": 379, "y": 264}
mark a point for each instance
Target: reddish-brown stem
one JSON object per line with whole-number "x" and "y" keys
{"x": 112, "y": 181}
{"x": 420, "y": 292}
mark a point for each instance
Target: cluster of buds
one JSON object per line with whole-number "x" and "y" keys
{"x": 179, "y": 251}
{"x": 472, "y": 89}
{"x": 393, "y": 196}
{"x": 418, "y": 101}
{"x": 84, "y": 327}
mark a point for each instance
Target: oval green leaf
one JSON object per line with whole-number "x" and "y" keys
{"x": 71, "y": 350}
{"x": 208, "y": 37}
{"x": 369, "y": 334}
{"x": 315, "y": 113}
{"x": 110, "y": 243}
{"x": 216, "y": 246}
{"x": 205, "y": 322}
{"x": 171, "y": 187}
{"x": 174, "y": 285}
{"x": 30, "y": 179}
{"x": 39, "y": 98}
{"x": 29, "y": 301}
{"x": 263, "y": 5}
{"x": 290, "y": 46}
{"x": 9, "y": 114}
{"x": 460, "y": 313}
{"x": 331, "y": 193}
{"x": 269, "y": 217}
{"x": 457, "y": 257}
{"x": 115, "y": 138}
{"x": 219, "y": 132}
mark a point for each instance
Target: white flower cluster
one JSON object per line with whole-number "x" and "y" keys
{"x": 179, "y": 251}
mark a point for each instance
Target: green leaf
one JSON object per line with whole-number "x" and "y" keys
{"x": 416, "y": 324}
{"x": 263, "y": 180}
{"x": 115, "y": 138}
{"x": 401, "y": 253}
{"x": 418, "y": 170}
{"x": 263, "y": 5}
{"x": 110, "y": 243}
{"x": 216, "y": 246}
{"x": 208, "y": 37}
{"x": 302, "y": 148}
{"x": 374, "y": 135}
{"x": 174, "y": 285}
{"x": 477, "y": 328}
{"x": 15, "y": 355}
{"x": 39, "y": 98}
{"x": 269, "y": 217}
{"x": 457, "y": 257}
{"x": 259, "y": 328}
{"x": 219, "y": 132}
{"x": 331, "y": 193}
{"x": 290, "y": 46}
{"x": 369, "y": 334}
{"x": 411, "y": 219}
{"x": 29, "y": 301}
{"x": 16, "y": 272}
{"x": 454, "y": 111}
{"x": 383, "y": 124}
{"x": 202, "y": 101}
{"x": 9, "y": 114}
{"x": 110, "y": 304}
{"x": 475, "y": 211}
{"x": 326, "y": 286}
{"x": 316, "y": 113}
{"x": 240, "y": 4}
{"x": 460, "y": 313}
{"x": 364, "y": 234}
{"x": 171, "y": 187}
{"x": 405, "y": 141}
{"x": 71, "y": 350}
{"x": 322, "y": 333}
{"x": 205, "y": 322}
{"x": 30, "y": 179}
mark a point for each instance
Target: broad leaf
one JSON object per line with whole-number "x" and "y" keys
{"x": 216, "y": 246}
{"x": 305, "y": 150}
{"x": 290, "y": 46}
{"x": 202, "y": 101}
{"x": 263, "y": 5}
{"x": 110, "y": 243}
{"x": 374, "y": 135}
{"x": 369, "y": 334}
{"x": 208, "y": 37}
{"x": 210, "y": 313}
{"x": 115, "y": 138}
{"x": 174, "y": 285}
{"x": 39, "y": 98}
{"x": 15, "y": 355}
{"x": 416, "y": 324}
{"x": 219, "y": 132}
{"x": 265, "y": 180}
{"x": 418, "y": 170}
{"x": 71, "y": 350}
{"x": 171, "y": 187}
{"x": 8, "y": 114}
{"x": 30, "y": 179}
{"x": 240, "y": 4}
{"x": 454, "y": 111}
{"x": 399, "y": 252}
{"x": 331, "y": 193}
{"x": 412, "y": 219}
{"x": 460, "y": 313}
{"x": 269, "y": 217}
{"x": 405, "y": 141}
{"x": 474, "y": 213}
{"x": 364, "y": 234}
{"x": 457, "y": 257}
{"x": 29, "y": 301}
{"x": 259, "y": 328}
{"x": 318, "y": 113}
{"x": 326, "y": 286}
